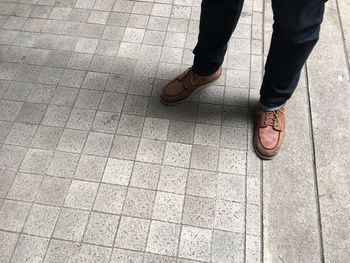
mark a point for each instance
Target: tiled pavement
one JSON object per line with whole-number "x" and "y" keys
{"x": 93, "y": 167}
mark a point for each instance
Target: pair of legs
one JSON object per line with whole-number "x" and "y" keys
{"x": 295, "y": 32}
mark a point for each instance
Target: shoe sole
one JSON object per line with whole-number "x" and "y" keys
{"x": 263, "y": 157}
{"x": 193, "y": 93}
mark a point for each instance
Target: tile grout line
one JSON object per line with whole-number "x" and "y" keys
{"x": 314, "y": 165}
{"x": 262, "y": 249}
{"x": 347, "y": 59}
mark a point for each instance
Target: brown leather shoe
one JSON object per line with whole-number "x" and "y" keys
{"x": 185, "y": 85}
{"x": 269, "y": 133}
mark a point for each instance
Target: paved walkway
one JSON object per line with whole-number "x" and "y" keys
{"x": 94, "y": 169}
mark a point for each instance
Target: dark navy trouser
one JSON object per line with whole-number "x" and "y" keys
{"x": 295, "y": 32}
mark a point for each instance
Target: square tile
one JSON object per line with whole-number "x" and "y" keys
{"x": 231, "y": 187}
{"x": 64, "y": 96}
{"x": 123, "y": 65}
{"x": 168, "y": 207}
{"x": 8, "y": 70}
{"x": 50, "y": 75}
{"x": 36, "y": 161}
{"x": 237, "y": 78}
{"x": 41, "y": 220}
{"x": 95, "y": 81}
{"x": 233, "y": 137}
{"x": 227, "y": 247}
{"x": 130, "y": 125}
{"x": 98, "y": 17}
{"x": 72, "y": 141}
{"x": 71, "y": 224}
{"x": 46, "y": 137}
{"x": 9, "y": 109}
{"x": 81, "y": 119}
{"x": 57, "y": 58}
{"x": 11, "y": 157}
{"x": 139, "y": 202}
{"x": 98, "y": 143}
{"x": 91, "y": 254}
{"x": 72, "y": 78}
{"x": 145, "y": 175}
{"x": 18, "y": 91}
{"x": 110, "y": 198}
{"x": 53, "y": 191}
{"x": 41, "y": 94}
{"x": 182, "y": 132}
{"x": 107, "y": 48}
{"x": 201, "y": 183}
{"x": 88, "y": 99}
{"x": 123, "y": 255}
{"x": 134, "y": 35}
{"x": 105, "y": 122}
{"x": 161, "y": 10}
{"x": 209, "y": 113}
{"x": 135, "y": 104}
{"x": 195, "y": 243}
{"x": 101, "y": 229}
{"x": 177, "y": 154}
{"x": 235, "y": 116}
{"x": 204, "y": 157}
{"x": 6, "y": 178}
{"x": 132, "y": 233}
{"x": 61, "y": 251}
{"x": 25, "y": 187}
{"x": 118, "y": 83}
{"x": 229, "y": 216}
{"x": 124, "y": 147}
{"x": 101, "y": 63}
{"x": 63, "y": 164}
{"x": 154, "y": 38}
{"x": 155, "y": 128}
{"x": 163, "y": 238}
{"x": 31, "y": 113}
{"x": 118, "y": 171}
{"x": 112, "y": 102}
{"x": 13, "y": 215}
{"x": 79, "y": 61}
{"x": 150, "y": 151}
{"x": 199, "y": 211}
{"x": 5, "y": 128}
{"x": 8, "y": 243}
{"x": 86, "y": 45}
{"x": 149, "y": 258}
{"x": 207, "y": 134}
{"x": 173, "y": 179}
{"x": 21, "y": 134}
{"x": 30, "y": 249}
{"x": 90, "y": 168}
{"x": 81, "y": 194}
{"x": 232, "y": 161}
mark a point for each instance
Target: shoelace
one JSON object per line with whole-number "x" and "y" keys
{"x": 189, "y": 75}
{"x": 271, "y": 117}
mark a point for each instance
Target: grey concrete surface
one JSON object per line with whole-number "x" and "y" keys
{"x": 330, "y": 103}
{"x": 306, "y": 215}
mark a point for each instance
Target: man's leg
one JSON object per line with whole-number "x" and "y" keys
{"x": 295, "y": 33}
{"x": 218, "y": 20}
